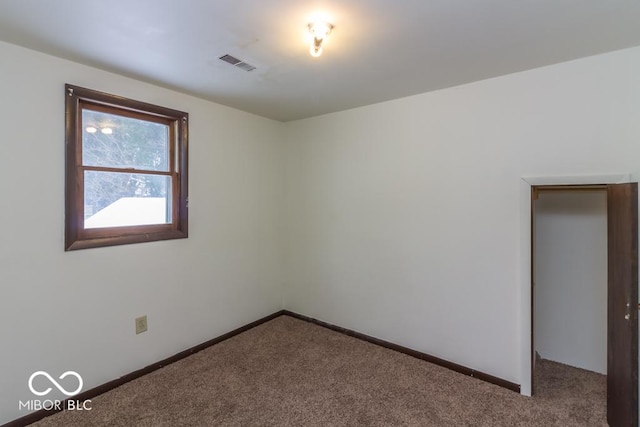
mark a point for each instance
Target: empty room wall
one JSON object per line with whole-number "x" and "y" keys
{"x": 403, "y": 218}
{"x": 571, "y": 278}
{"x": 400, "y": 220}
{"x": 64, "y": 311}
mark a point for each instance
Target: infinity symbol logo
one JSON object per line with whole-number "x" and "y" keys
{"x": 55, "y": 383}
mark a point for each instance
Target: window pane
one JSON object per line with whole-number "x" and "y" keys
{"x": 111, "y": 140}
{"x": 122, "y": 199}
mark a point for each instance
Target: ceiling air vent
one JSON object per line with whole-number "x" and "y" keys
{"x": 236, "y": 62}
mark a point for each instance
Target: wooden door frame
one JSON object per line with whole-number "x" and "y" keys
{"x": 525, "y": 261}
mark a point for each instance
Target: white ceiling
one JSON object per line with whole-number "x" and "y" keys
{"x": 378, "y": 50}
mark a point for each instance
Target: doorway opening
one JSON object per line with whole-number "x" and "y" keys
{"x": 570, "y": 276}
{"x": 570, "y": 295}
{"x": 584, "y": 311}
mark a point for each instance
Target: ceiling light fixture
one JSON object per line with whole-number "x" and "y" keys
{"x": 319, "y": 31}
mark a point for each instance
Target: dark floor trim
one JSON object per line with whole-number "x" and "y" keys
{"x": 96, "y": 391}
{"x": 417, "y": 354}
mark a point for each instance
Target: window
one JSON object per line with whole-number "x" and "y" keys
{"x": 126, "y": 171}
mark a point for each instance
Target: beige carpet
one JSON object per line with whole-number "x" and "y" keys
{"x": 288, "y": 372}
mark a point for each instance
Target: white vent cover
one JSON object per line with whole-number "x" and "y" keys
{"x": 237, "y": 62}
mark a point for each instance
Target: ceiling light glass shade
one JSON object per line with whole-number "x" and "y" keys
{"x": 319, "y": 31}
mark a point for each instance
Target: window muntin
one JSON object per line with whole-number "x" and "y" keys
{"x": 126, "y": 171}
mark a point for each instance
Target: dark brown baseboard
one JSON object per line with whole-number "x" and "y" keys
{"x": 96, "y": 391}
{"x": 417, "y": 354}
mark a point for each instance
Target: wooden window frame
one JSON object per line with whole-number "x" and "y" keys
{"x": 76, "y": 235}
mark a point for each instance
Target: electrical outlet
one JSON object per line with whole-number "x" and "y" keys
{"x": 141, "y": 324}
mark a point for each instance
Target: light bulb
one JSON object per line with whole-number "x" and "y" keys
{"x": 91, "y": 129}
{"x": 320, "y": 30}
{"x": 106, "y": 131}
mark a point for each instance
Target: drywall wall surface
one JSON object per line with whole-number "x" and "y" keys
{"x": 404, "y": 218}
{"x": 64, "y": 311}
{"x": 570, "y": 293}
